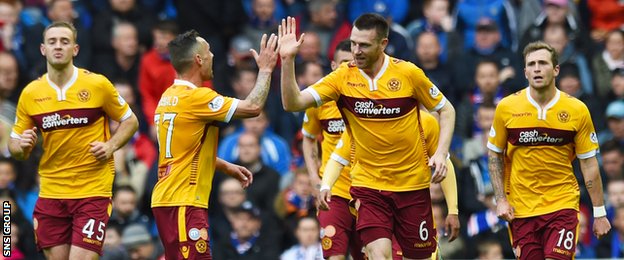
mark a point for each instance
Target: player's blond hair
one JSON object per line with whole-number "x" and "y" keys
{"x": 540, "y": 45}
{"x": 61, "y": 24}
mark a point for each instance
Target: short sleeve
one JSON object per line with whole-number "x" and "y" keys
{"x": 586, "y": 140}
{"x": 115, "y": 106}
{"x": 425, "y": 91}
{"x": 311, "y": 127}
{"x": 497, "y": 138}
{"x": 207, "y": 104}
{"x": 327, "y": 88}
{"x": 342, "y": 152}
{"x": 23, "y": 121}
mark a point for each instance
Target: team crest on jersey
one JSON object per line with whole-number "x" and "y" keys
{"x": 394, "y": 84}
{"x": 84, "y": 95}
{"x": 563, "y": 116}
{"x": 326, "y": 242}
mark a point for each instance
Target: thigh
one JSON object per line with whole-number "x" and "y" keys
{"x": 336, "y": 226}
{"x": 183, "y": 231}
{"x": 415, "y": 230}
{"x": 90, "y": 216}
{"x": 561, "y": 234}
{"x": 526, "y": 238}
{"x": 52, "y": 223}
{"x": 374, "y": 211}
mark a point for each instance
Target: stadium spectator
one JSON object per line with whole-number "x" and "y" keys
{"x": 617, "y": 85}
{"x": 584, "y": 250}
{"x": 606, "y": 15}
{"x": 155, "y": 71}
{"x": 9, "y": 89}
{"x": 610, "y": 246}
{"x": 249, "y": 238}
{"x": 327, "y": 24}
{"x": 468, "y": 14}
{"x": 438, "y": 21}
{"x": 606, "y": 62}
{"x": 311, "y": 51}
{"x": 275, "y": 151}
{"x": 555, "y": 35}
{"x": 265, "y": 187}
{"x": 122, "y": 11}
{"x": 261, "y": 21}
{"x": 308, "y": 246}
{"x": 395, "y": 9}
{"x": 474, "y": 149}
{"x": 139, "y": 243}
{"x": 124, "y": 62}
{"x": 400, "y": 43}
{"x": 427, "y": 57}
{"x": 612, "y": 153}
{"x": 615, "y": 123}
{"x": 125, "y": 211}
{"x": 113, "y": 249}
{"x": 615, "y": 196}
{"x": 556, "y": 13}
{"x": 490, "y": 250}
{"x": 63, "y": 10}
{"x": 229, "y": 196}
{"x": 293, "y": 203}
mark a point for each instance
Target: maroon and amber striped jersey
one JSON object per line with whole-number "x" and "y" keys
{"x": 540, "y": 145}
{"x": 186, "y": 119}
{"x": 381, "y": 114}
{"x": 70, "y": 118}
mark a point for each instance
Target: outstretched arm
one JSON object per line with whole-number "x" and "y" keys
{"x": 266, "y": 59}
{"x": 292, "y": 98}
{"x": 593, "y": 183}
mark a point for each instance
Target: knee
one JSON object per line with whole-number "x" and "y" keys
{"x": 377, "y": 253}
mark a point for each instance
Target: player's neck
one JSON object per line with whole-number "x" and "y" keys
{"x": 60, "y": 76}
{"x": 192, "y": 77}
{"x": 543, "y": 96}
{"x": 373, "y": 70}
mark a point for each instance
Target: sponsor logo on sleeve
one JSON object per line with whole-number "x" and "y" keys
{"x": 492, "y": 132}
{"x": 434, "y": 91}
{"x": 593, "y": 137}
{"x": 122, "y": 101}
{"x": 216, "y": 103}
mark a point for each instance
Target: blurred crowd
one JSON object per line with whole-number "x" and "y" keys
{"x": 470, "y": 49}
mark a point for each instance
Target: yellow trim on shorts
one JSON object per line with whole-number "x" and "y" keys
{"x": 182, "y": 224}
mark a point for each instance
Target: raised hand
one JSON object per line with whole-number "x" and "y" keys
{"x": 289, "y": 45}
{"x": 269, "y": 49}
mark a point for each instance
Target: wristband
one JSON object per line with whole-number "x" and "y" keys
{"x": 324, "y": 187}
{"x": 600, "y": 212}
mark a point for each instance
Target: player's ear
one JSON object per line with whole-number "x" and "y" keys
{"x": 76, "y": 50}
{"x": 198, "y": 59}
{"x": 42, "y": 49}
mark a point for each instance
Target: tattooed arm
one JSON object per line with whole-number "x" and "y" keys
{"x": 495, "y": 165}
{"x": 266, "y": 59}
{"x": 593, "y": 183}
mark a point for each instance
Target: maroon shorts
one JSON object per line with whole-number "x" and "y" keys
{"x": 553, "y": 235}
{"x": 79, "y": 222}
{"x": 339, "y": 235}
{"x": 183, "y": 231}
{"x": 406, "y": 215}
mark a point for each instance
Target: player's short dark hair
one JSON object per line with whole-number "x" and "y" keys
{"x": 344, "y": 45}
{"x": 540, "y": 45}
{"x": 61, "y": 24}
{"x": 370, "y": 21}
{"x": 182, "y": 49}
{"x": 167, "y": 26}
